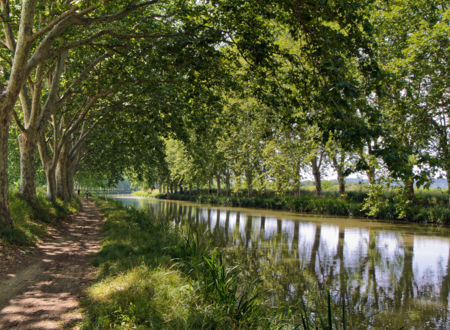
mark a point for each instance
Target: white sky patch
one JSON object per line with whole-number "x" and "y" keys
{"x": 307, "y": 231}
{"x": 270, "y": 228}
{"x": 430, "y": 261}
{"x": 356, "y": 244}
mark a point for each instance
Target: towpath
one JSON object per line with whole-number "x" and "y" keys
{"x": 43, "y": 291}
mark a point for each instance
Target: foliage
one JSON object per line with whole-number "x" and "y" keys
{"x": 377, "y": 203}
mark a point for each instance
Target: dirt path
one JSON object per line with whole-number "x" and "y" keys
{"x": 44, "y": 292}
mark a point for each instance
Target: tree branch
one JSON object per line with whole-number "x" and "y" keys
{"x": 17, "y": 121}
{"x": 50, "y": 25}
{"x": 70, "y": 90}
{"x": 75, "y": 122}
{"x": 10, "y": 42}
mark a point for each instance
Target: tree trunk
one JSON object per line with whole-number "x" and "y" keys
{"x": 62, "y": 175}
{"x": 209, "y": 187}
{"x": 70, "y": 180}
{"x": 227, "y": 182}
{"x": 5, "y": 218}
{"x": 340, "y": 175}
{"x": 409, "y": 187}
{"x": 341, "y": 181}
{"x": 8, "y": 100}
{"x": 249, "y": 179}
{"x": 218, "y": 184}
{"x": 61, "y": 181}
{"x": 50, "y": 175}
{"x": 190, "y": 188}
{"x": 27, "y": 147}
{"x": 49, "y": 169}
{"x": 297, "y": 188}
{"x": 371, "y": 175}
{"x": 317, "y": 178}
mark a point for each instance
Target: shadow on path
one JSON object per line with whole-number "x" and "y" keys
{"x": 45, "y": 294}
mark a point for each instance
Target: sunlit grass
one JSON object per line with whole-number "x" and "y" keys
{"x": 152, "y": 275}
{"x": 144, "y": 297}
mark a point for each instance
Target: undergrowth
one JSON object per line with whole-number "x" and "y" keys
{"x": 31, "y": 220}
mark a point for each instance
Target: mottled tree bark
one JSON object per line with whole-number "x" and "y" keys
{"x": 315, "y": 164}
{"x": 5, "y": 218}
{"x": 339, "y": 167}
{"x": 9, "y": 96}
{"x": 28, "y": 148}
{"x": 371, "y": 175}
{"x": 61, "y": 175}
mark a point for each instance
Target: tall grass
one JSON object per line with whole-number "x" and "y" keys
{"x": 155, "y": 275}
{"x": 152, "y": 275}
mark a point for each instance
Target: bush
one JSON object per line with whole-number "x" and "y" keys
{"x": 429, "y": 208}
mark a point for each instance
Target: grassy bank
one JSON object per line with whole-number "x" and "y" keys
{"x": 154, "y": 275}
{"x": 427, "y": 207}
{"x": 31, "y": 221}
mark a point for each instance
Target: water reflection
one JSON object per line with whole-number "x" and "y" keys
{"x": 374, "y": 265}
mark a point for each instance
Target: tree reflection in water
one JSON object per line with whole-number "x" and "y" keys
{"x": 401, "y": 277}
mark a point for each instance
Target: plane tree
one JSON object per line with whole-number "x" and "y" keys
{"x": 34, "y": 33}
{"x": 413, "y": 39}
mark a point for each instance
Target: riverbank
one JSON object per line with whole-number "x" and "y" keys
{"x": 428, "y": 208}
{"x": 31, "y": 222}
{"x": 155, "y": 275}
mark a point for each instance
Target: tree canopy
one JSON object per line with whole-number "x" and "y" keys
{"x": 254, "y": 94}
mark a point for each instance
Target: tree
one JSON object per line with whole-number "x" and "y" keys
{"x": 413, "y": 38}
{"x": 36, "y": 42}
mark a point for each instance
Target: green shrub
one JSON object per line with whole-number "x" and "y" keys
{"x": 428, "y": 208}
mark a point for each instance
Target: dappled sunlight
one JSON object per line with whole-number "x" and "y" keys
{"x": 50, "y": 297}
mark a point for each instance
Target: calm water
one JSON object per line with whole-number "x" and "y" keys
{"x": 400, "y": 272}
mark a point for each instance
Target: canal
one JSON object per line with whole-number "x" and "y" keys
{"x": 388, "y": 275}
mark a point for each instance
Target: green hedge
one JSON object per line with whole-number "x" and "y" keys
{"x": 425, "y": 210}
